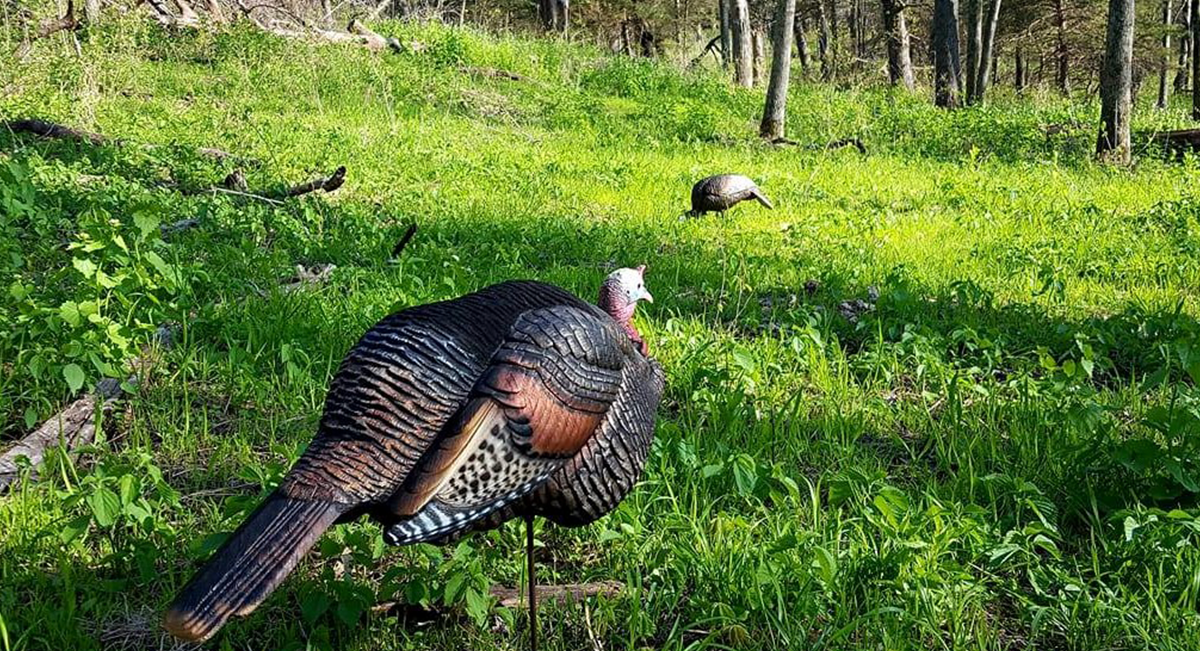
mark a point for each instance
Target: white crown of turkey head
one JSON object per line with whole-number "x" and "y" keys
{"x": 619, "y": 296}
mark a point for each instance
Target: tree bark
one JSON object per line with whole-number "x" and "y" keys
{"x": 825, "y": 44}
{"x": 802, "y": 45}
{"x": 1116, "y": 84}
{"x": 1185, "y": 47}
{"x": 1195, "y": 25}
{"x": 775, "y": 110}
{"x": 987, "y": 56}
{"x": 1019, "y": 75}
{"x": 974, "y": 30}
{"x": 724, "y": 14}
{"x": 91, "y": 11}
{"x": 1164, "y": 64}
{"x": 1060, "y": 24}
{"x": 743, "y": 50}
{"x": 946, "y": 64}
{"x": 759, "y": 55}
{"x": 895, "y": 30}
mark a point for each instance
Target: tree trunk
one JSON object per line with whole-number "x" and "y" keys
{"x": 724, "y": 14}
{"x": 743, "y": 50}
{"x": 974, "y": 30}
{"x": 1164, "y": 64}
{"x": 826, "y": 43}
{"x": 1060, "y": 24}
{"x": 1019, "y": 76}
{"x": 987, "y": 57}
{"x": 802, "y": 46}
{"x": 1185, "y": 47}
{"x": 91, "y": 11}
{"x": 1116, "y": 82}
{"x": 1195, "y": 20}
{"x": 896, "y": 32}
{"x": 760, "y": 53}
{"x": 775, "y": 110}
{"x": 946, "y": 64}
{"x": 563, "y": 16}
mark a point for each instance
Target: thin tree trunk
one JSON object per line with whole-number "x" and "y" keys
{"x": 1164, "y": 64}
{"x": 974, "y": 29}
{"x": 987, "y": 57}
{"x": 802, "y": 46}
{"x": 775, "y": 110}
{"x": 826, "y": 43}
{"x": 946, "y": 64}
{"x": 759, "y": 55}
{"x": 564, "y": 16}
{"x": 1195, "y": 20}
{"x": 743, "y": 50}
{"x": 1185, "y": 47}
{"x": 1060, "y": 24}
{"x": 724, "y": 14}
{"x": 1019, "y": 76}
{"x": 91, "y": 11}
{"x": 896, "y": 32}
{"x": 1116, "y": 82}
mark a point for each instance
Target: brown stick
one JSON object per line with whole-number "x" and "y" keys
{"x": 326, "y": 183}
{"x": 408, "y": 235}
{"x": 44, "y": 129}
{"x": 75, "y": 426}
{"x": 492, "y": 72}
{"x": 47, "y": 28}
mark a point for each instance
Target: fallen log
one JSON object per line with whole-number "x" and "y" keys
{"x": 75, "y": 426}
{"x": 52, "y": 131}
{"x": 1179, "y": 141}
{"x": 326, "y": 183}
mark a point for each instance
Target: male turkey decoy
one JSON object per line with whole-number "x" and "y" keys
{"x": 720, "y": 193}
{"x": 514, "y": 401}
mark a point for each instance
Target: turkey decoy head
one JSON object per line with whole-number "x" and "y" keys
{"x": 619, "y": 296}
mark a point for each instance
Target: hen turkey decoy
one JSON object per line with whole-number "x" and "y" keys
{"x": 515, "y": 401}
{"x": 720, "y": 193}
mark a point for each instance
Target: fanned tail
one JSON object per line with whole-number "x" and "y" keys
{"x": 762, "y": 198}
{"x": 250, "y": 565}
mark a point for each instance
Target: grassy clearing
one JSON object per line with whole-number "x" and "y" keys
{"x": 1001, "y": 454}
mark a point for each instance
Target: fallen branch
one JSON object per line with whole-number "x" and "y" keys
{"x": 75, "y": 426}
{"x": 492, "y": 72}
{"x": 44, "y": 129}
{"x": 372, "y": 39}
{"x": 48, "y": 28}
{"x": 848, "y": 142}
{"x": 50, "y": 130}
{"x": 1179, "y": 141}
{"x": 713, "y": 46}
{"x": 326, "y": 183}
{"x": 408, "y": 235}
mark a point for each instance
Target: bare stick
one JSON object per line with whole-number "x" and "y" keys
{"x": 75, "y": 426}
{"x": 44, "y": 129}
{"x": 408, "y": 235}
{"x": 326, "y": 183}
{"x": 511, "y": 597}
{"x": 379, "y": 8}
{"x": 47, "y": 28}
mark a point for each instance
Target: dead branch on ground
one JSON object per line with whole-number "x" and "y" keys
{"x": 75, "y": 425}
{"x": 408, "y": 235}
{"x": 48, "y": 28}
{"x": 52, "y": 131}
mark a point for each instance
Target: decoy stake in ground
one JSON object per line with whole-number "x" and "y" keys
{"x": 517, "y": 400}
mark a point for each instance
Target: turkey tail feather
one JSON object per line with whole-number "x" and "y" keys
{"x": 250, "y": 565}
{"x": 762, "y": 198}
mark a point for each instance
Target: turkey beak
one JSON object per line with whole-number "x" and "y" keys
{"x": 646, "y": 297}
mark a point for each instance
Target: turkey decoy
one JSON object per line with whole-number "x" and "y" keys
{"x": 720, "y": 193}
{"x": 515, "y": 401}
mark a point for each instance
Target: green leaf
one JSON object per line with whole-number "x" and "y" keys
{"x": 147, "y": 224}
{"x": 105, "y": 506}
{"x": 84, "y": 266}
{"x": 75, "y": 529}
{"x": 744, "y": 358}
{"x": 130, "y": 488}
{"x": 477, "y": 606}
{"x": 711, "y": 469}
{"x": 745, "y": 474}
{"x": 826, "y": 563}
{"x": 452, "y": 588}
{"x": 313, "y": 606}
{"x": 73, "y": 374}
{"x": 69, "y": 311}
{"x": 349, "y": 611}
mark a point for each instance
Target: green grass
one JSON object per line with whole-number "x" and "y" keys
{"x": 1002, "y": 454}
